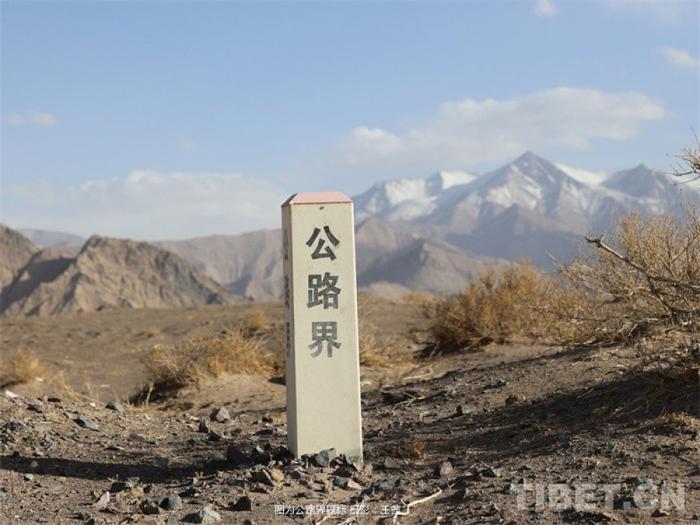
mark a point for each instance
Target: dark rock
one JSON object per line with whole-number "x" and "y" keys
{"x": 323, "y": 459}
{"x": 86, "y": 422}
{"x": 221, "y": 415}
{"x": 236, "y": 456}
{"x": 491, "y": 472}
{"x": 244, "y": 503}
{"x": 171, "y": 502}
{"x": 465, "y": 410}
{"x": 499, "y": 383}
{"x": 387, "y": 484}
{"x": 215, "y": 436}
{"x": 128, "y": 484}
{"x": 148, "y": 506}
{"x": 116, "y": 406}
{"x": 204, "y": 427}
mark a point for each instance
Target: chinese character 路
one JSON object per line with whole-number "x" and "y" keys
{"x": 323, "y": 246}
{"x": 324, "y": 332}
{"x": 323, "y": 290}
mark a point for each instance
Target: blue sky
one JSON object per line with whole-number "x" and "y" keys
{"x": 168, "y": 120}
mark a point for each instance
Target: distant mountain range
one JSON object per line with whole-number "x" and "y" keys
{"x": 427, "y": 234}
{"x": 106, "y": 273}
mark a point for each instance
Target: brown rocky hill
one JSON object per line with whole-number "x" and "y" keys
{"x": 249, "y": 264}
{"x": 109, "y": 273}
{"x": 15, "y": 251}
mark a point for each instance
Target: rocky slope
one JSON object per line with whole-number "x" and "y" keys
{"x": 15, "y": 251}
{"x": 109, "y": 273}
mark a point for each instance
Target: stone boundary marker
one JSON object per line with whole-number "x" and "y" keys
{"x": 322, "y": 348}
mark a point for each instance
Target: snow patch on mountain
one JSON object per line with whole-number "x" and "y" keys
{"x": 591, "y": 178}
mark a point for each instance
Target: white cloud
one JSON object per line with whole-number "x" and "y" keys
{"x": 468, "y": 131}
{"x": 545, "y": 8}
{"x": 678, "y": 57}
{"x": 148, "y": 204}
{"x": 35, "y": 118}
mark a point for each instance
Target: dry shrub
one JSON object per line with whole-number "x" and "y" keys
{"x": 643, "y": 284}
{"x": 377, "y": 350}
{"x": 19, "y": 367}
{"x": 675, "y": 423}
{"x": 170, "y": 367}
{"x": 255, "y": 321}
{"x": 500, "y": 307}
{"x": 646, "y": 282}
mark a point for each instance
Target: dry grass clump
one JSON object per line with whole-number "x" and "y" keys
{"x": 500, "y": 307}
{"x": 255, "y": 321}
{"x": 19, "y": 367}
{"x": 170, "y": 367}
{"x": 675, "y": 423}
{"x": 377, "y": 350}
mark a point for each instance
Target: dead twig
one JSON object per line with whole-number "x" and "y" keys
{"x": 414, "y": 503}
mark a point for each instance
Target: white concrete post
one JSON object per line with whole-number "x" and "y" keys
{"x": 323, "y": 360}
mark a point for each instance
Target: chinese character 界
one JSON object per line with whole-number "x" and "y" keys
{"x": 324, "y": 332}
{"x": 319, "y": 251}
{"x": 323, "y": 290}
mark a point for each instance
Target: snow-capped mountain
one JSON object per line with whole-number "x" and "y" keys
{"x": 407, "y": 199}
{"x": 530, "y": 207}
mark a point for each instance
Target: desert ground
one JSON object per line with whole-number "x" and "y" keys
{"x": 448, "y": 438}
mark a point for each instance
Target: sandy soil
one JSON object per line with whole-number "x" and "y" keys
{"x": 467, "y": 431}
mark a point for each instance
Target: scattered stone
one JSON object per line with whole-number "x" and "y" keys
{"x": 499, "y": 383}
{"x": 206, "y": 515}
{"x": 204, "y": 427}
{"x": 103, "y": 501}
{"x": 444, "y": 469}
{"x": 171, "y": 502}
{"x": 387, "y": 484}
{"x": 244, "y": 503}
{"x": 215, "y": 436}
{"x": 391, "y": 464}
{"x": 116, "y": 406}
{"x": 346, "y": 483}
{"x": 148, "y": 506}
{"x": 86, "y": 422}
{"x": 28, "y": 477}
{"x": 236, "y": 456}
{"x": 128, "y": 484}
{"x": 492, "y": 472}
{"x": 35, "y": 407}
{"x": 660, "y": 513}
{"x": 323, "y": 459}
{"x": 221, "y": 415}
{"x": 217, "y": 457}
{"x": 465, "y": 410}
{"x": 277, "y": 475}
{"x": 262, "y": 476}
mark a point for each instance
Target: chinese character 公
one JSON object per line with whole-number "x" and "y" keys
{"x": 323, "y": 290}
{"x": 320, "y": 243}
{"x": 324, "y": 332}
